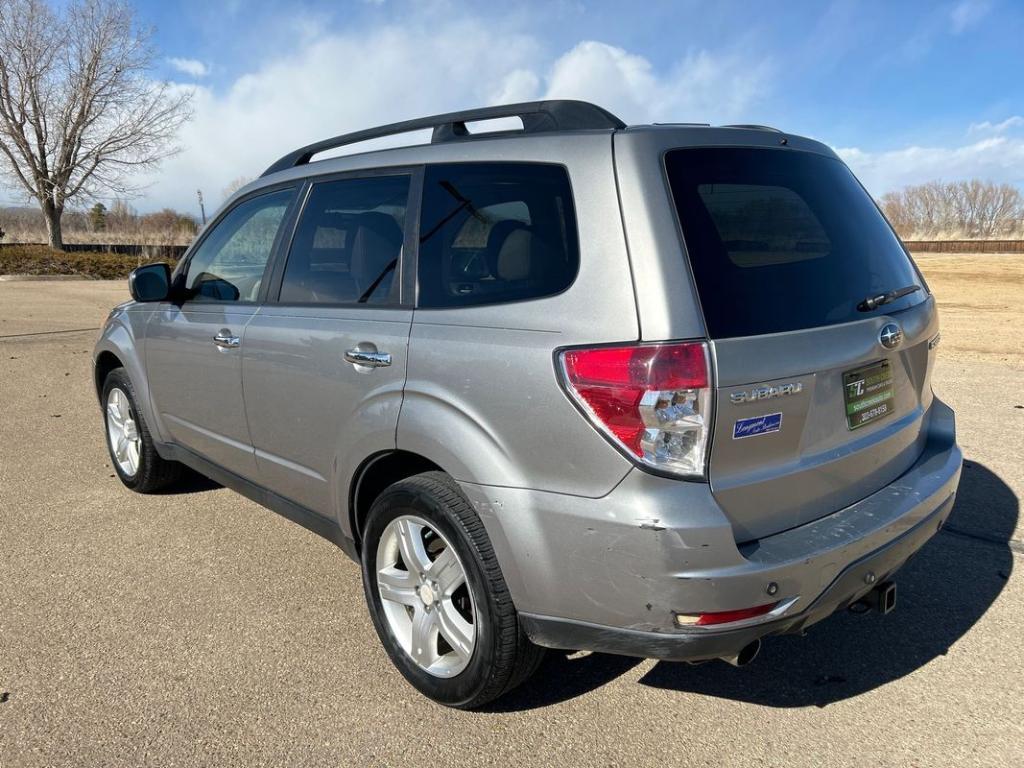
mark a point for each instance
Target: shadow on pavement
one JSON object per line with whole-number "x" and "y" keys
{"x": 190, "y": 482}
{"x": 943, "y": 592}
{"x": 561, "y": 678}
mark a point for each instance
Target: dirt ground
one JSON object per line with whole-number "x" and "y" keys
{"x": 981, "y": 304}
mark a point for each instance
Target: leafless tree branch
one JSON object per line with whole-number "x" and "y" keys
{"x": 79, "y": 114}
{"x": 961, "y": 209}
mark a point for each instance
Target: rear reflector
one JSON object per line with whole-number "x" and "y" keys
{"x": 652, "y": 400}
{"x": 722, "y": 617}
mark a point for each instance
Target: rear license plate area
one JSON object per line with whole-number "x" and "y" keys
{"x": 868, "y": 394}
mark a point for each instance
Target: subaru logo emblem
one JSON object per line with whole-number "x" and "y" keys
{"x": 890, "y": 336}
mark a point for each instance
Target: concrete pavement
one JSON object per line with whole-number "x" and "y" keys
{"x": 196, "y": 628}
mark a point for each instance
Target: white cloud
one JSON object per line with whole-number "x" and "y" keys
{"x": 336, "y": 83}
{"x": 1006, "y": 125}
{"x": 995, "y": 158}
{"x": 517, "y": 85}
{"x": 192, "y": 67}
{"x": 700, "y": 88}
{"x": 967, "y": 13}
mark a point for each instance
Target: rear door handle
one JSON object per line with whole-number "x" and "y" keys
{"x": 225, "y": 340}
{"x": 368, "y": 359}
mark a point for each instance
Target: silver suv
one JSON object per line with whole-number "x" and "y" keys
{"x": 653, "y": 390}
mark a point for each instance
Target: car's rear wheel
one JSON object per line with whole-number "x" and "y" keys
{"x": 437, "y": 597}
{"x": 129, "y": 441}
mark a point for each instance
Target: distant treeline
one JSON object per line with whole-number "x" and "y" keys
{"x": 958, "y": 210}
{"x": 936, "y": 211}
{"x": 99, "y": 225}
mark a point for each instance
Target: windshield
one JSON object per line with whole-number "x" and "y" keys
{"x": 781, "y": 240}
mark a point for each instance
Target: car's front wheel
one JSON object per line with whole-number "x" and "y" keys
{"x": 437, "y": 596}
{"x": 129, "y": 441}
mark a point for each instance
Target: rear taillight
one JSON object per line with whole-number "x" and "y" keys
{"x": 652, "y": 400}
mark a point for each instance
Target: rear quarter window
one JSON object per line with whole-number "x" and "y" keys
{"x": 494, "y": 233}
{"x": 782, "y": 240}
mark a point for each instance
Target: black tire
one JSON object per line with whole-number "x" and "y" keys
{"x": 154, "y": 473}
{"x": 503, "y": 657}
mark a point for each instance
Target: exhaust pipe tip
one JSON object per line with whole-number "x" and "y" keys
{"x": 746, "y": 655}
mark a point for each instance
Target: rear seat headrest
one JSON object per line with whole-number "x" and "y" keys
{"x": 514, "y": 258}
{"x": 508, "y": 250}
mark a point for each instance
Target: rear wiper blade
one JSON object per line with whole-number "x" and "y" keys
{"x": 872, "y": 302}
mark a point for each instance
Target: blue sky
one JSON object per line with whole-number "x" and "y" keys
{"x": 907, "y": 91}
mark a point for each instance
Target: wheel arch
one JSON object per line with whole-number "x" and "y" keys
{"x": 106, "y": 361}
{"x": 374, "y": 475}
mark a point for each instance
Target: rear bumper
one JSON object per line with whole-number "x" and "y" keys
{"x": 848, "y": 587}
{"x": 611, "y": 574}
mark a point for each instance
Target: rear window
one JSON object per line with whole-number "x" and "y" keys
{"x": 494, "y": 233}
{"x": 781, "y": 240}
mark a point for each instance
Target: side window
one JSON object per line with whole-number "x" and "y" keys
{"x": 348, "y": 242}
{"x": 495, "y": 232}
{"x": 231, "y": 260}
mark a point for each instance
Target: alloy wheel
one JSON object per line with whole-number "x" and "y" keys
{"x": 123, "y": 432}
{"x": 425, "y": 597}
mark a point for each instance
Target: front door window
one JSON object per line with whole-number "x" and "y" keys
{"x": 230, "y": 263}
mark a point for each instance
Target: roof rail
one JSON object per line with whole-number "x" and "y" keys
{"x": 754, "y": 127}
{"x": 537, "y": 117}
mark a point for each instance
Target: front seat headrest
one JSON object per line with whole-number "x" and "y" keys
{"x": 376, "y": 243}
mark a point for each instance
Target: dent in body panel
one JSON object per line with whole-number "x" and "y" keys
{"x": 605, "y": 561}
{"x": 608, "y": 557}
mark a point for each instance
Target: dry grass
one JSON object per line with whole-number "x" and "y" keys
{"x": 981, "y": 303}
{"x": 36, "y": 236}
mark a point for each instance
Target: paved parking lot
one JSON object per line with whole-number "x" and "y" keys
{"x": 196, "y": 628}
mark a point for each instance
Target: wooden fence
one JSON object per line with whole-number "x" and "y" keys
{"x": 965, "y": 246}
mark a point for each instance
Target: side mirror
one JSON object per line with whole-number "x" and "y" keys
{"x": 150, "y": 283}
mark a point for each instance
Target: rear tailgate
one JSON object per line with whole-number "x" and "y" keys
{"x": 815, "y": 409}
{"x": 815, "y": 463}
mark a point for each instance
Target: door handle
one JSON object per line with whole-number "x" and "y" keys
{"x": 225, "y": 340}
{"x": 368, "y": 359}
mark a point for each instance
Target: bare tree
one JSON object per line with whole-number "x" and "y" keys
{"x": 968, "y": 209}
{"x": 78, "y": 113}
{"x": 234, "y": 185}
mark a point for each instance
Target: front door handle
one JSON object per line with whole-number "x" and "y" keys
{"x": 368, "y": 359}
{"x": 225, "y": 340}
